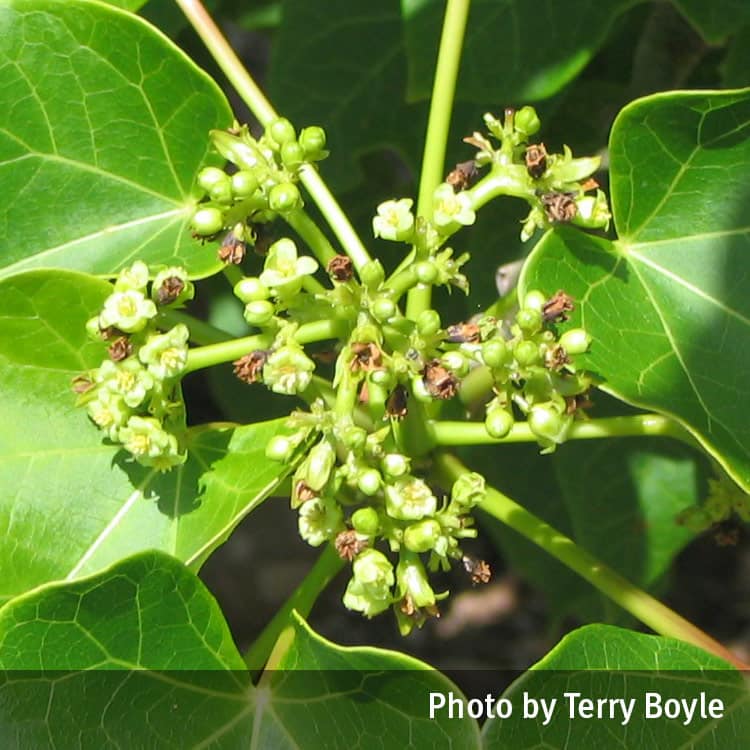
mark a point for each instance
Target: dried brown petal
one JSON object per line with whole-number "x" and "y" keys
{"x": 463, "y": 176}
{"x": 348, "y": 544}
{"x": 82, "y": 384}
{"x": 440, "y": 382}
{"x": 396, "y": 406}
{"x": 556, "y": 358}
{"x": 249, "y": 368}
{"x": 479, "y": 570}
{"x": 462, "y": 333}
{"x": 340, "y": 268}
{"x": 536, "y": 160}
{"x": 121, "y": 348}
{"x": 170, "y": 289}
{"x": 367, "y": 357}
{"x": 557, "y": 307}
{"x": 559, "y": 207}
{"x": 232, "y": 249}
{"x": 303, "y": 492}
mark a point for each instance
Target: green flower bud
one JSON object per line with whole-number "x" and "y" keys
{"x": 246, "y": 155}
{"x": 129, "y": 379}
{"x": 369, "y": 590}
{"x": 422, "y": 536}
{"x": 221, "y": 192}
{"x": 409, "y": 499}
{"x": 354, "y": 438}
{"x": 575, "y": 341}
{"x": 394, "y": 220}
{"x": 468, "y": 490}
{"x": 313, "y": 141}
{"x": 207, "y": 221}
{"x": 383, "y": 308}
{"x": 369, "y": 482}
{"x": 366, "y": 521}
{"x": 426, "y": 272}
{"x": 92, "y": 328}
{"x": 320, "y": 519}
{"x": 244, "y": 183}
{"x": 259, "y": 312}
{"x": 319, "y": 464}
{"x": 529, "y": 320}
{"x": 534, "y": 300}
{"x": 456, "y": 362}
{"x": 288, "y": 370}
{"x": 495, "y": 353}
{"x": 165, "y": 354}
{"x": 412, "y": 581}
{"x": 383, "y": 378}
{"x": 527, "y": 353}
{"x": 526, "y": 121}
{"x": 372, "y": 274}
{"x": 549, "y": 425}
{"x": 251, "y": 289}
{"x": 498, "y": 422}
{"x": 281, "y": 131}
{"x": 451, "y": 209}
{"x": 292, "y": 154}
{"x": 395, "y": 465}
{"x": 210, "y": 176}
{"x": 284, "y": 197}
{"x": 428, "y": 323}
{"x": 172, "y": 287}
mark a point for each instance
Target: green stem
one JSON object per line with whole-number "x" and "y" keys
{"x": 474, "y": 433}
{"x": 251, "y": 94}
{"x": 312, "y": 234}
{"x": 402, "y": 281}
{"x": 637, "y": 602}
{"x": 233, "y": 274}
{"x": 441, "y": 106}
{"x": 227, "y": 351}
{"x": 200, "y": 332}
{"x": 272, "y": 643}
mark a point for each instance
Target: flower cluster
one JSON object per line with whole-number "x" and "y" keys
{"x": 134, "y": 395}
{"x": 724, "y": 502}
{"x": 262, "y": 183}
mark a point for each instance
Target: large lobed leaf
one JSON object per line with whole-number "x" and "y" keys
{"x": 667, "y": 303}
{"x": 70, "y": 503}
{"x": 103, "y": 126}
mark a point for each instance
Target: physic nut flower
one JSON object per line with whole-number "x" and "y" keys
{"x": 129, "y": 311}
{"x": 109, "y": 412}
{"x": 288, "y": 370}
{"x": 150, "y": 444}
{"x": 165, "y": 355}
{"x": 283, "y": 270}
{"x": 451, "y": 209}
{"x": 369, "y": 589}
{"x": 172, "y": 287}
{"x": 320, "y": 519}
{"x": 134, "y": 278}
{"x": 394, "y": 221}
{"x": 128, "y": 379}
{"x": 593, "y": 212}
{"x": 468, "y": 490}
{"x": 409, "y": 499}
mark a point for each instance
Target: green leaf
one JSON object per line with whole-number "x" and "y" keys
{"x": 667, "y": 303}
{"x": 347, "y": 76}
{"x": 735, "y": 69}
{"x": 716, "y": 20}
{"x": 515, "y": 52}
{"x": 336, "y": 697}
{"x": 73, "y": 504}
{"x": 131, "y": 5}
{"x": 600, "y": 661}
{"x": 103, "y": 126}
{"x": 137, "y": 656}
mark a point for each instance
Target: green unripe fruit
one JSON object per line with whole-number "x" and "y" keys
{"x": 366, "y": 521}
{"x": 526, "y": 353}
{"x": 575, "y": 341}
{"x": 284, "y": 197}
{"x": 244, "y": 183}
{"x": 207, "y": 221}
{"x": 292, "y": 154}
{"x": 259, "y": 312}
{"x": 92, "y": 328}
{"x": 395, "y": 465}
{"x": 369, "y": 481}
{"x": 281, "y": 131}
{"x": 495, "y": 353}
{"x": 372, "y": 274}
{"x": 210, "y": 176}
{"x": 383, "y": 309}
{"x": 534, "y": 300}
{"x": 312, "y": 140}
{"x": 498, "y": 423}
{"x": 526, "y": 121}
{"x": 529, "y": 320}
{"x": 428, "y": 322}
{"x": 383, "y": 378}
{"x": 426, "y": 272}
{"x": 221, "y": 192}
{"x": 279, "y": 448}
{"x": 548, "y": 424}
{"x": 456, "y": 362}
{"x": 422, "y": 536}
{"x": 251, "y": 289}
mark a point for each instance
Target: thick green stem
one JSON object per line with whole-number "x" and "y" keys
{"x": 272, "y": 643}
{"x": 200, "y": 332}
{"x": 214, "y": 354}
{"x": 474, "y": 433}
{"x": 441, "y": 106}
{"x": 251, "y": 94}
{"x": 312, "y": 234}
{"x": 637, "y": 602}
